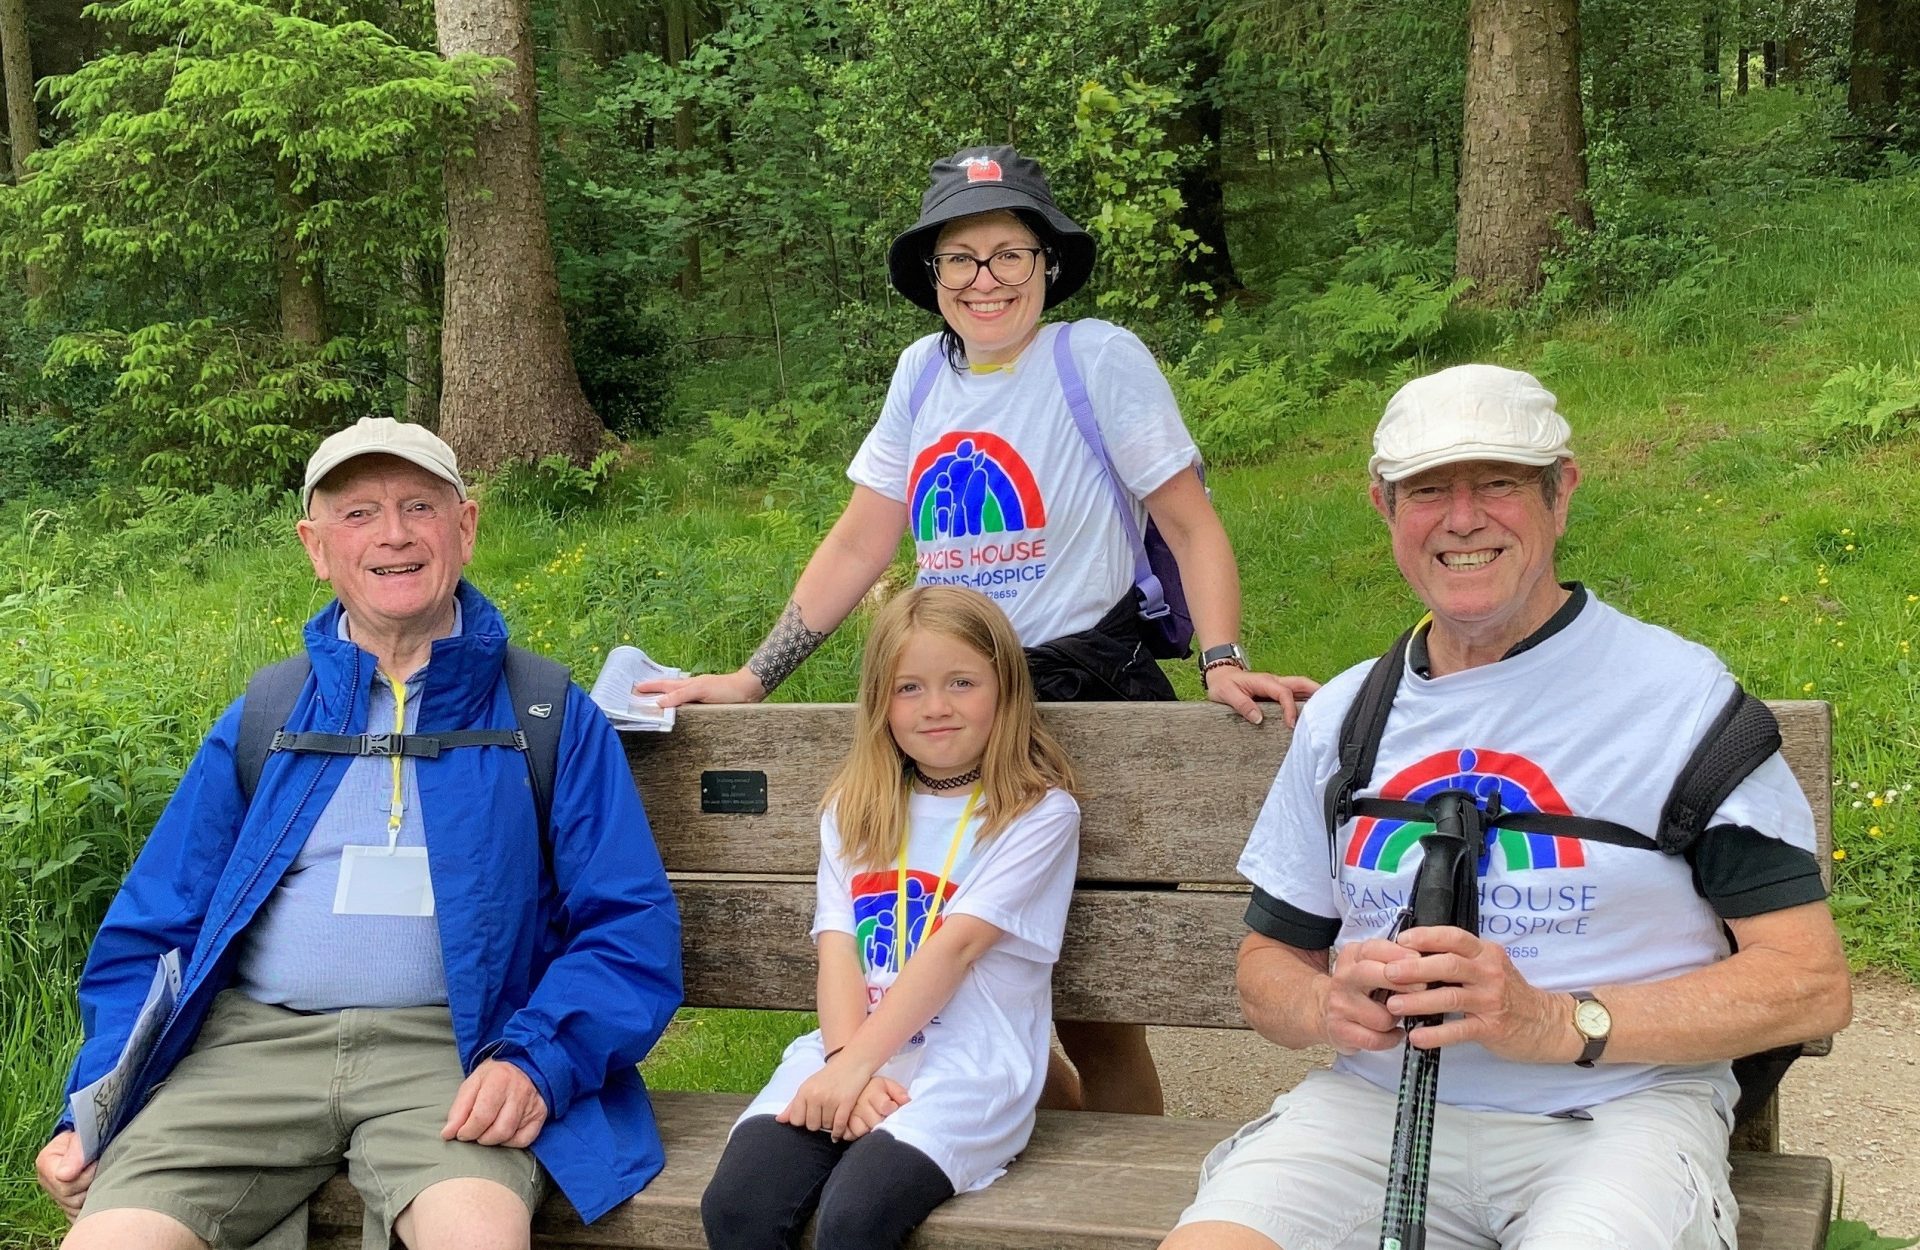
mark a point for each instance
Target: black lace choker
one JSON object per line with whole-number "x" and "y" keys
{"x": 946, "y": 783}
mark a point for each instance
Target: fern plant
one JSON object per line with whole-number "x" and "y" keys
{"x": 1367, "y": 322}
{"x": 1865, "y": 403}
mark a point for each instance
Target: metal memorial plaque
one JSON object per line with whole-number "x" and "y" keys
{"x": 733, "y": 790}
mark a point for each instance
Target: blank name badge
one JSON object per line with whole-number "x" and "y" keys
{"x": 383, "y": 881}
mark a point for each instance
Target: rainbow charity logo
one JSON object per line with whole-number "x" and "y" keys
{"x": 970, "y": 484}
{"x": 1379, "y": 844}
{"x": 874, "y": 916}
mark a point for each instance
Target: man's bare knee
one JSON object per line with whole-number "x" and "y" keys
{"x": 130, "y": 1228}
{"x": 467, "y": 1213}
{"x": 1217, "y": 1235}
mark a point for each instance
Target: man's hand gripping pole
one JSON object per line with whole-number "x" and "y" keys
{"x": 1445, "y": 892}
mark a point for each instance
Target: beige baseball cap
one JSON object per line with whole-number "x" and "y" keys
{"x": 1468, "y": 412}
{"x": 382, "y": 436}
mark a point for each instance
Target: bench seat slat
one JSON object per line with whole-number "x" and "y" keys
{"x": 1085, "y": 1182}
{"x": 1144, "y": 956}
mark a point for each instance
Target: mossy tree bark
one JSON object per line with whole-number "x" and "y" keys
{"x": 508, "y": 388}
{"x": 1523, "y": 162}
{"x": 23, "y": 121}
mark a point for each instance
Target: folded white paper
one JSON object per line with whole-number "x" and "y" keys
{"x": 100, "y": 1109}
{"x": 613, "y": 691}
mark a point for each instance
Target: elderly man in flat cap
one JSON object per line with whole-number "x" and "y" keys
{"x": 422, "y": 929}
{"x": 1628, "y": 807}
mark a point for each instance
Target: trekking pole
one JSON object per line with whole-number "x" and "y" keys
{"x": 1444, "y": 893}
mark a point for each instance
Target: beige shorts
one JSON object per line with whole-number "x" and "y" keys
{"x": 268, "y": 1103}
{"x": 1647, "y": 1172}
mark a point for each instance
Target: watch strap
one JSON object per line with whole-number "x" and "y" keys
{"x": 1591, "y": 1051}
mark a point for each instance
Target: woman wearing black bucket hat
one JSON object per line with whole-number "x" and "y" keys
{"x": 1027, "y": 460}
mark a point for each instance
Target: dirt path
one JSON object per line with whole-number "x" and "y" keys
{"x": 1860, "y": 1105}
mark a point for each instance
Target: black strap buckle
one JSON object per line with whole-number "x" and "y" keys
{"x": 379, "y": 744}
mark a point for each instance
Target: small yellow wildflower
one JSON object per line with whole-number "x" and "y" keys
{"x": 1913, "y": 598}
{"x": 1786, "y": 598}
{"x": 1849, "y": 546}
{"x": 1839, "y": 853}
{"x": 1807, "y": 689}
{"x": 1878, "y": 801}
{"x": 1823, "y": 581}
{"x": 1874, "y": 832}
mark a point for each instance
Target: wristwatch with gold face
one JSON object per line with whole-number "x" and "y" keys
{"x": 1594, "y": 1023}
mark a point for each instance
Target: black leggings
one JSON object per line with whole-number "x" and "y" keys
{"x": 871, "y": 1192}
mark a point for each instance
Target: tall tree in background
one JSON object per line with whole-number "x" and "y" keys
{"x": 1523, "y": 162}
{"x": 1202, "y": 182}
{"x": 1885, "y": 59}
{"x": 509, "y": 391}
{"x": 23, "y": 123}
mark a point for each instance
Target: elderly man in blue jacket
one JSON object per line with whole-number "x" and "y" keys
{"x": 383, "y": 959}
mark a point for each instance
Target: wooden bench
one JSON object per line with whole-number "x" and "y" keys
{"x": 1169, "y": 793}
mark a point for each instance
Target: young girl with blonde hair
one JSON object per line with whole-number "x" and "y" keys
{"x": 949, "y": 841}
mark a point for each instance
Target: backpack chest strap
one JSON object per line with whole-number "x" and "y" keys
{"x": 416, "y": 745}
{"x": 1586, "y": 828}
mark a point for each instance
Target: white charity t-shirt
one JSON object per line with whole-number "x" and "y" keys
{"x": 974, "y": 1073}
{"x": 1002, "y": 493}
{"x": 1595, "y": 720}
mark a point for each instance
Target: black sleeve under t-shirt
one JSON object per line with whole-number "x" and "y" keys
{"x": 1742, "y": 872}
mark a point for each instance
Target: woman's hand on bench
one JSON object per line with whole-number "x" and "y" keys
{"x": 739, "y": 686}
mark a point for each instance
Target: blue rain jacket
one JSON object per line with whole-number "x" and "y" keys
{"x": 569, "y": 972}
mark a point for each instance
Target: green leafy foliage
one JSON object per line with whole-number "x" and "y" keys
{"x": 223, "y": 152}
{"x": 1854, "y": 1235}
{"x": 752, "y": 447}
{"x": 1122, "y": 135}
{"x": 1367, "y": 322}
{"x": 1245, "y": 404}
{"x": 1640, "y": 240}
{"x": 204, "y": 402}
{"x": 1867, "y": 403}
{"x": 555, "y": 485}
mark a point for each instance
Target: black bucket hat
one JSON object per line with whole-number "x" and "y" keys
{"x": 985, "y": 180}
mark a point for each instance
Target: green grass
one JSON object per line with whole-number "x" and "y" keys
{"x": 1710, "y": 504}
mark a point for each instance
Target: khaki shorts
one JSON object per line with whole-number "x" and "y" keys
{"x": 268, "y": 1103}
{"x": 1648, "y": 1172}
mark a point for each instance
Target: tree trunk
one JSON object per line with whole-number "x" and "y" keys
{"x": 1523, "y": 142}
{"x": 580, "y": 48}
{"x": 303, "y": 294}
{"x": 1710, "y": 39}
{"x": 509, "y": 391}
{"x": 423, "y": 354}
{"x": 1885, "y": 59}
{"x": 679, "y": 42}
{"x": 1740, "y": 74}
{"x": 1793, "y": 59}
{"x": 1201, "y": 185}
{"x": 23, "y": 122}
{"x": 1770, "y": 60}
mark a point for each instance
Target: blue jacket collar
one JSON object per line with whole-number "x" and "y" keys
{"x": 460, "y": 676}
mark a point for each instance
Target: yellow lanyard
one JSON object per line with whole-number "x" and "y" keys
{"x": 939, "y": 891}
{"x": 396, "y": 806}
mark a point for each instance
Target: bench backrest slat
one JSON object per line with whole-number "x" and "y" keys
{"x": 1123, "y": 949}
{"x": 1170, "y": 791}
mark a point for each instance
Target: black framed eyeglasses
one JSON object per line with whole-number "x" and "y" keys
{"x": 1010, "y": 266}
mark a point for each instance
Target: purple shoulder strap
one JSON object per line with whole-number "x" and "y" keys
{"x": 1081, "y": 406}
{"x": 922, "y": 387}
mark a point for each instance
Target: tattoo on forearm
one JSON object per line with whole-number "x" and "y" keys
{"x": 789, "y": 643}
